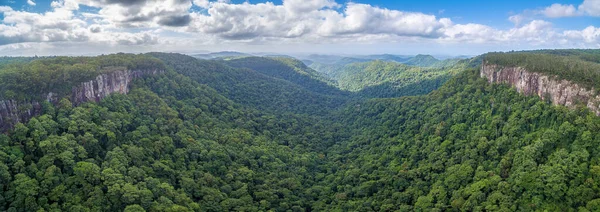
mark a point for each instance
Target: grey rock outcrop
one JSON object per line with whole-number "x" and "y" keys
{"x": 13, "y": 112}
{"x": 559, "y": 92}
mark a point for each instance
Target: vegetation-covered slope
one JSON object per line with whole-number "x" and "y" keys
{"x": 170, "y": 145}
{"x": 389, "y": 79}
{"x": 579, "y": 66}
{"x": 422, "y": 61}
{"x": 469, "y": 146}
{"x": 194, "y": 139}
{"x": 252, "y": 88}
{"x": 27, "y": 81}
{"x": 288, "y": 69}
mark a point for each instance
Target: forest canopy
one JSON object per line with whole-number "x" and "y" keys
{"x": 206, "y": 136}
{"x": 580, "y": 66}
{"x": 24, "y": 80}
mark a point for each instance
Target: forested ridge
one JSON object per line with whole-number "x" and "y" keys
{"x": 577, "y": 65}
{"x": 385, "y": 79}
{"x": 264, "y": 134}
{"x": 23, "y": 80}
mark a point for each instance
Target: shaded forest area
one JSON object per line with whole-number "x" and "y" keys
{"x": 206, "y": 136}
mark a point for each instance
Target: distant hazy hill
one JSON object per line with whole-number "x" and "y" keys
{"x": 289, "y": 69}
{"x": 388, "y": 57}
{"x": 225, "y": 54}
{"x": 264, "y": 134}
{"x": 341, "y": 59}
{"x": 264, "y": 83}
{"x": 422, "y": 60}
{"x": 380, "y": 78}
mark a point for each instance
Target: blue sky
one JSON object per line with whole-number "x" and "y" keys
{"x": 493, "y": 13}
{"x": 302, "y": 26}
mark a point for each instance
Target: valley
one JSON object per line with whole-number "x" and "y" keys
{"x": 270, "y": 133}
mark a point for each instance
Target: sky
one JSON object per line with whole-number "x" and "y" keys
{"x": 439, "y": 27}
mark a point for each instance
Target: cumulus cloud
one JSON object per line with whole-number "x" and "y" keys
{"x": 366, "y": 19}
{"x": 60, "y": 25}
{"x": 31, "y": 2}
{"x": 589, "y": 35}
{"x": 165, "y": 22}
{"x": 201, "y": 3}
{"x": 590, "y": 7}
{"x": 55, "y": 25}
{"x": 587, "y": 7}
{"x": 312, "y": 18}
{"x": 304, "y": 6}
{"x": 560, "y": 10}
{"x": 142, "y": 13}
{"x": 134, "y": 38}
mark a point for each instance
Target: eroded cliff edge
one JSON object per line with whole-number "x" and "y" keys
{"x": 559, "y": 92}
{"x": 13, "y": 112}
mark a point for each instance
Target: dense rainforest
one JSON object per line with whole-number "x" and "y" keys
{"x": 385, "y": 79}
{"x": 580, "y": 66}
{"x": 270, "y": 134}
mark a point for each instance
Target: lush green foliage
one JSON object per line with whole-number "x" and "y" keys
{"x": 27, "y": 81}
{"x": 4, "y": 60}
{"x": 288, "y": 69}
{"x": 250, "y": 87}
{"x": 422, "y": 60}
{"x": 592, "y": 55}
{"x": 389, "y": 79}
{"x": 170, "y": 145}
{"x": 469, "y": 146}
{"x": 578, "y": 66}
{"x": 209, "y": 137}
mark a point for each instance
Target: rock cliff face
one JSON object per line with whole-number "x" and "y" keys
{"x": 560, "y": 92}
{"x": 13, "y": 112}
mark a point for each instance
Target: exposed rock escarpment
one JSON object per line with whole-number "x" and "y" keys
{"x": 13, "y": 112}
{"x": 559, "y": 92}
{"x": 106, "y": 84}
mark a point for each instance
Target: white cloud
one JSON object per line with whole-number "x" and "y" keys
{"x": 303, "y": 6}
{"x": 590, "y": 7}
{"x": 31, "y": 2}
{"x": 309, "y": 18}
{"x": 560, "y": 10}
{"x": 366, "y": 19}
{"x": 61, "y": 25}
{"x": 143, "y": 13}
{"x": 201, "y": 3}
{"x": 55, "y": 25}
{"x": 144, "y": 24}
{"x": 589, "y": 35}
{"x": 587, "y": 7}
{"x": 516, "y": 19}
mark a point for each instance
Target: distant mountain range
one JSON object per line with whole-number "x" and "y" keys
{"x": 422, "y": 60}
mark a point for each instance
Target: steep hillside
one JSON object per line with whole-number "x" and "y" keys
{"x": 570, "y": 67}
{"x": 564, "y": 79}
{"x": 255, "y": 89}
{"x": 469, "y": 146}
{"x": 288, "y": 69}
{"x": 205, "y": 136}
{"x": 389, "y": 79}
{"x": 25, "y": 87}
{"x": 171, "y": 144}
